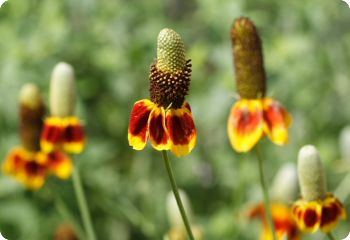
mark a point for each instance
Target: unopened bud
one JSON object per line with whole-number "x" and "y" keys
{"x": 285, "y": 184}
{"x": 62, "y": 90}
{"x": 173, "y": 211}
{"x": 170, "y": 51}
{"x": 248, "y": 59}
{"x": 344, "y": 144}
{"x": 311, "y": 174}
{"x": 32, "y": 111}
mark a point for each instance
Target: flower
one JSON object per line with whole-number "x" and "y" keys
{"x": 317, "y": 208}
{"x": 254, "y": 114}
{"x": 27, "y": 163}
{"x": 282, "y": 219}
{"x": 62, "y": 130}
{"x": 166, "y": 119}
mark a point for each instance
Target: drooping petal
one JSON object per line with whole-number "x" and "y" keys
{"x": 182, "y": 130}
{"x": 51, "y": 136}
{"x": 332, "y": 211}
{"x": 245, "y": 124}
{"x": 157, "y": 130}
{"x": 73, "y": 136}
{"x": 139, "y": 124}
{"x": 277, "y": 120}
{"x": 307, "y": 215}
{"x": 282, "y": 218}
{"x": 63, "y": 133}
{"x": 60, "y": 164}
{"x": 27, "y": 167}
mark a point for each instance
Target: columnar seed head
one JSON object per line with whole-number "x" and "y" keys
{"x": 311, "y": 174}
{"x": 248, "y": 59}
{"x": 174, "y": 215}
{"x": 171, "y": 74}
{"x": 32, "y": 111}
{"x": 30, "y": 96}
{"x": 344, "y": 142}
{"x": 62, "y": 90}
{"x": 170, "y": 51}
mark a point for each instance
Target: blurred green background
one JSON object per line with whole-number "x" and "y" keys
{"x": 111, "y": 45}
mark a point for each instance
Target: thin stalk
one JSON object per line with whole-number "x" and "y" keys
{"x": 330, "y": 236}
{"x": 176, "y": 193}
{"x": 265, "y": 193}
{"x": 83, "y": 207}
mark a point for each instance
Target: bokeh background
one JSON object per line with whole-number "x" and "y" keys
{"x": 111, "y": 45}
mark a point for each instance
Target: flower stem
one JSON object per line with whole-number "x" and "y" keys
{"x": 176, "y": 193}
{"x": 265, "y": 193}
{"x": 330, "y": 236}
{"x": 84, "y": 211}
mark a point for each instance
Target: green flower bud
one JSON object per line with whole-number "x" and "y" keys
{"x": 62, "y": 90}
{"x": 248, "y": 59}
{"x": 311, "y": 174}
{"x": 170, "y": 51}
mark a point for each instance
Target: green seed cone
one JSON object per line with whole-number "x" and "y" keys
{"x": 170, "y": 51}
{"x": 248, "y": 59}
{"x": 32, "y": 111}
{"x": 311, "y": 174}
{"x": 62, "y": 90}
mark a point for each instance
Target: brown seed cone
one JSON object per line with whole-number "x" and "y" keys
{"x": 32, "y": 111}
{"x": 248, "y": 59}
{"x": 169, "y": 88}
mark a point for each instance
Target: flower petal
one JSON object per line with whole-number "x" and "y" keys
{"x": 182, "y": 130}
{"x": 282, "y": 218}
{"x": 277, "y": 120}
{"x": 73, "y": 136}
{"x": 245, "y": 124}
{"x": 332, "y": 212}
{"x": 51, "y": 135}
{"x": 139, "y": 123}
{"x": 60, "y": 164}
{"x": 307, "y": 215}
{"x": 157, "y": 130}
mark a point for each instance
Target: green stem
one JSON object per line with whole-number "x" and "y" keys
{"x": 84, "y": 211}
{"x": 330, "y": 236}
{"x": 176, "y": 193}
{"x": 265, "y": 193}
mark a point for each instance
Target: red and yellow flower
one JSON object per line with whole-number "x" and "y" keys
{"x": 283, "y": 221}
{"x": 253, "y": 116}
{"x": 316, "y": 209}
{"x": 27, "y": 163}
{"x": 62, "y": 130}
{"x": 166, "y": 119}
{"x": 323, "y": 214}
{"x": 32, "y": 168}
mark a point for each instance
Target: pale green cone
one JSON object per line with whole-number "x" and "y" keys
{"x": 173, "y": 211}
{"x": 62, "y": 90}
{"x": 170, "y": 51}
{"x": 285, "y": 184}
{"x": 344, "y": 144}
{"x": 311, "y": 174}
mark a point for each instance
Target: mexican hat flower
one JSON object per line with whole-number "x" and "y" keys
{"x": 285, "y": 225}
{"x": 62, "y": 130}
{"x": 283, "y": 191}
{"x": 27, "y": 163}
{"x": 166, "y": 119}
{"x": 317, "y": 208}
{"x": 254, "y": 115}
